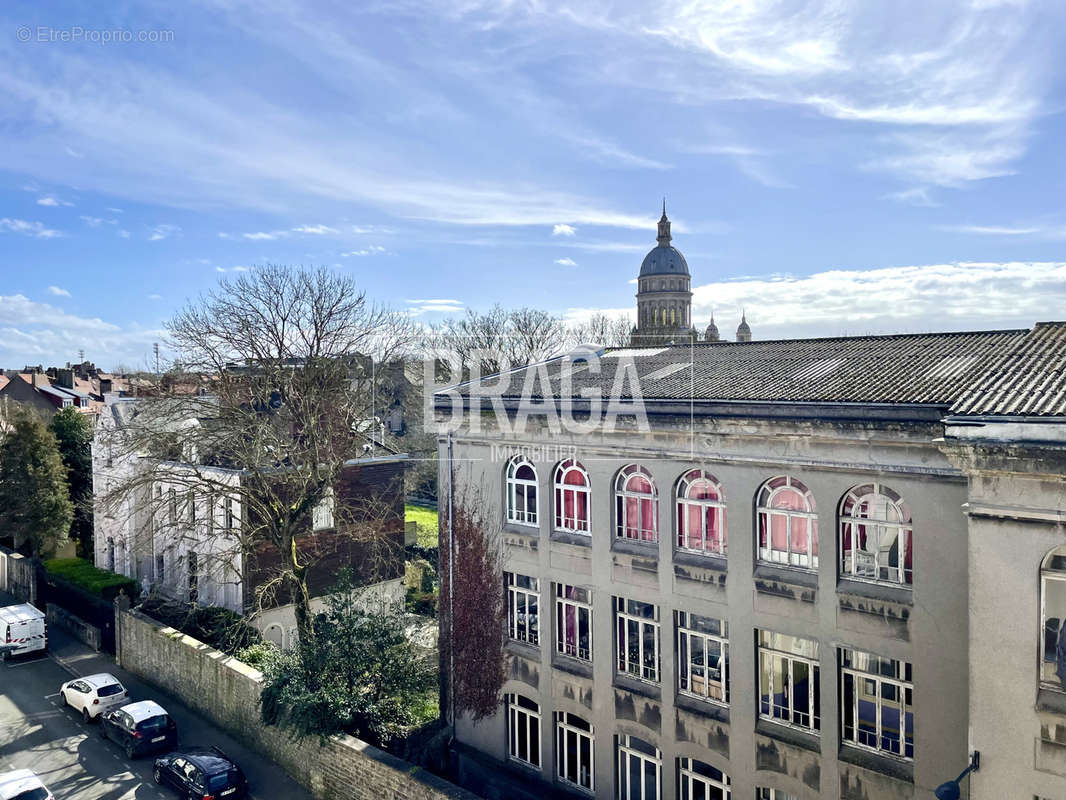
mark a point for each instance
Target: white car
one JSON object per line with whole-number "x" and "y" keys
{"x": 22, "y": 784}
{"x": 94, "y": 694}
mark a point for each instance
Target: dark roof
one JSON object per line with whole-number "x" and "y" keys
{"x": 911, "y": 369}
{"x": 1029, "y": 379}
{"x": 211, "y": 760}
{"x": 663, "y": 260}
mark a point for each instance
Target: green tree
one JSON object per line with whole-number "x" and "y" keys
{"x": 35, "y": 502}
{"x": 359, "y": 674}
{"x": 74, "y": 433}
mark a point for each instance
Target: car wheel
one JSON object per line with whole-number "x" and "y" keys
{"x": 85, "y": 716}
{"x": 157, "y": 776}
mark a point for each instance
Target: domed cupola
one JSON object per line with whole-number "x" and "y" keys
{"x": 664, "y": 259}
{"x": 743, "y": 330}
{"x": 664, "y": 294}
{"x": 711, "y": 334}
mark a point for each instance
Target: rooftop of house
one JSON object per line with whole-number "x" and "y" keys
{"x": 1004, "y": 372}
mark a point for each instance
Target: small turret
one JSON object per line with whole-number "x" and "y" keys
{"x": 743, "y": 331}
{"x": 711, "y": 334}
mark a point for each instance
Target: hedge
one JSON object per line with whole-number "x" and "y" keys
{"x": 86, "y": 575}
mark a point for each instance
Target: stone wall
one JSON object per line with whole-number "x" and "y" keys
{"x": 18, "y": 576}
{"x": 226, "y": 691}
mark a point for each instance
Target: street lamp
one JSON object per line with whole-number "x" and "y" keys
{"x": 951, "y": 790}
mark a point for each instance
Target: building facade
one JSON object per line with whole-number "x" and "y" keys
{"x": 766, "y": 587}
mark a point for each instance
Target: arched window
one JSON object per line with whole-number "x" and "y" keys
{"x": 636, "y": 505}
{"x": 876, "y": 542}
{"x": 571, "y": 497}
{"x": 521, "y": 491}
{"x": 1053, "y": 620}
{"x": 700, "y": 513}
{"x": 788, "y": 524}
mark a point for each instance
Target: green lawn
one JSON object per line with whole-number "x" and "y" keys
{"x": 426, "y": 518}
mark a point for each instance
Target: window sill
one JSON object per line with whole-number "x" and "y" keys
{"x": 644, "y": 688}
{"x": 1052, "y": 701}
{"x": 579, "y": 539}
{"x": 796, "y": 576}
{"x": 877, "y": 762}
{"x": 523, "y": 649}
{"x": 705, "y": 708}
{"x": 635, "y": 547}
{"x": 572, "y": 789}
{"x": 690, "y": 558}
{"x": 876, "y": 591}
{"x": 531, "y": 531}
{"x": 572, "y": 665}
{"x": 805, "y": 739}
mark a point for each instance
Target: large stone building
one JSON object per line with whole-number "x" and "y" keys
{"x": 826, "y": 568}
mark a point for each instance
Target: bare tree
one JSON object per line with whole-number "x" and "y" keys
{"x": 496, "y": 339}
{"x": 244, "y": 446}
{"x": 602, "y": 329}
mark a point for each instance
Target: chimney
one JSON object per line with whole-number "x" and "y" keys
{"x": 38, "y": 380}
{"x": 65, "y": 378}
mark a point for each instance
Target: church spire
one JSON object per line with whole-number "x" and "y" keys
{"x": 664, "y": 228}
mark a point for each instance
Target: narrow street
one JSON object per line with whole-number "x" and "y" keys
{"x": 37, "y": 732}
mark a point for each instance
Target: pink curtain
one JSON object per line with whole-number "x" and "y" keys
{"x": 779, "y": 532}
{"x": 908, "y": 574}
{"x": 648, "y": 521}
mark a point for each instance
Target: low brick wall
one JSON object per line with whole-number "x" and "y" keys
{"x": 18, "y": 576}
{"x": 226, "y": 691}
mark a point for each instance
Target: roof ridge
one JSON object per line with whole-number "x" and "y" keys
{"x": 872, "y": 336}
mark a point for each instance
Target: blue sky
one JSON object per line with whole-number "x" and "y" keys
{"x": 832, "y": 167}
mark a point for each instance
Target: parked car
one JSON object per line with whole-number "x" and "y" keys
{"x": 22, "y": 630}
{"x": 142, "y": 727}
{"x": 94, "y": 694}
{"x": 22, "y": 784}
{"x": 201, "y": 772}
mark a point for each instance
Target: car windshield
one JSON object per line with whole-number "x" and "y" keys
{"x": 153, "y": 723}
{"x": 221, "y": 780}
{"x": 40, "y": 793}
{"x": 110, "y": 689}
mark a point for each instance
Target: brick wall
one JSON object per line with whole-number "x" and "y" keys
{"x": 226, "y": 691}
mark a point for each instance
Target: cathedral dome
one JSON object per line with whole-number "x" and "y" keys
{"x": 663, "y": 260}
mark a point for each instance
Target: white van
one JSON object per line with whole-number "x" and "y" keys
{"x": 22, "y": 630}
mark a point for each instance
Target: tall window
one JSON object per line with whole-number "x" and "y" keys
{"x": 172, "y": 505}
{"x": 788, "y": 680}
{"x": 875, "y": 535}
{"x": 637, "y": 635}
{"x": 523, "y": 730}
{"x": 700, "y": 513}
{"x": 193, "y": 574}
{"x": 573, "y": 621}
{"x": 639, "y": 768}
{"x": 762, "y": 793}
{"x": 521, "y": 491}
{"x": 699, "y": 781}
{"x": 1053, "y": 620}
{"x": 230, "y": 516}
{"x": 636, "y": 505}
{"x": 876, "y": 708}
{"x": 523, "y": 608}
{"x": 703, "y": 657}
{"x": 573, "y": 740}
{"x": 788, "y": 524}
{"x": 571, "y": 497}
{"x": 191, "y": 501}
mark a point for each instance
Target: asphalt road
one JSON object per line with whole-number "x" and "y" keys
{"x": 38, "y": 732}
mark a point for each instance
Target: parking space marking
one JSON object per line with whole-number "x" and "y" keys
{"x": 9, "y": 665}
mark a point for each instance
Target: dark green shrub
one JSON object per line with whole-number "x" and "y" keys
{"x": 217, "y": 627}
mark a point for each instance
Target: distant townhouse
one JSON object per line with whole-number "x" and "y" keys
{"x": 187, "y": 546}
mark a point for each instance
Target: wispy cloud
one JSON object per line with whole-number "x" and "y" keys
{"x": 155, "y": 297}
{"x": 52, "y": 201}
{"x": 566, "y": 262}
{"x": 993, "y": 230}
{"x": 434, "y": 306}
{"x": 315, "y": 230}
{"x": 563, "y": 229}
{"x": 164, "y": 231}
{"x": 915, "y": 196}
{"x": 37, "y": 230}
{"x": 58, "y": 292}
{"x": 369, "y": 250}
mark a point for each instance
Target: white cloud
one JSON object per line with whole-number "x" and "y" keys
{"x": 369, "y": 250}
{"x": 163, "y": 231}
{"x": 52, "y": 201}
{"x": 260, "y": 236}
{"x": 438, "y": 306}
{"x": 566, "y": 262}
{"x": 317, "y": 230}
{"x": 238, "y": 268}
{"x": 155, "y": 297}
{"x": 562, "y": 229}
{"x": 96, "y": 222}
{"x": 58, "y": 292}
{"x": 992, "y": 230}
{"x": 124, "y": 234}
{"x": 915, "y": 196}
{"x": 35, "y": 229}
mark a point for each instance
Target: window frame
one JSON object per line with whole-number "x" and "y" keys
{"x": 684, "y": 664}
{"x": 513, "y": 484}
{"x": 564, "y": 725}
{"x": 515, "y": 594}
{"x": 847, "y": 524}
{"x": 581, "y": 608}
{"x": 765, "y": 512}
{"x": 623, "y": 618}
{"x": 771, "y": 651}
{"x": 625, "y": 753}
{"x": 682, "y": 504}
{"x": 687, "y": 775}
{"x": 902, "y": 680}
{"x": 624, "y": 496}
{"x": 529, "y": 716}
{"x": 561, "y": 489}
{"x": 1048, "y": 572}
{"x": 769, "y": 793}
